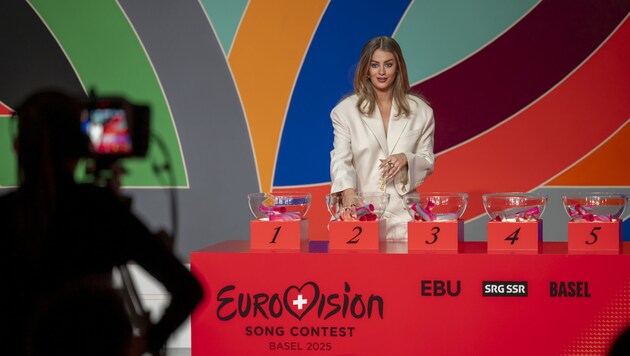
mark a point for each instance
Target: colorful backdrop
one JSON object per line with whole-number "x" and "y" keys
{"x": 528, "y": 95}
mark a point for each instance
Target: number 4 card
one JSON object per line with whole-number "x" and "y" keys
{"x": 515, "y": 236}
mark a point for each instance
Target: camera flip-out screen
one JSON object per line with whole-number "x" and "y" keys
{"x": 108, "y": 131}
{"x": 116, "y": 128}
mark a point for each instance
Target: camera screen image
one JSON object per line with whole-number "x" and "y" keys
{"x": 108, "y": 131}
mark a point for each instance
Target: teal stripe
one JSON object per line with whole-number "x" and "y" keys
{"x": 225, "y": 17}
{"x": 434, "y": 35}
{"x": 108, "y": 56}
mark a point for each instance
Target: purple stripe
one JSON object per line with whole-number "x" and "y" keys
{"x": 518, "y": 67}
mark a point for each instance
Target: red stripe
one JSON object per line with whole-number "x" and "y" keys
{"x": 4, "y": 110}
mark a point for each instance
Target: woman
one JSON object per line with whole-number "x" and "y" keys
{"x": 59, "y": 237}
{"x": 383, "y": 136}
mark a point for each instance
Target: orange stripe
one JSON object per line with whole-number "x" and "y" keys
{"x": 549, "y": 136}
{"x": 265, "y": 58}
{"x": 606, "y": 166}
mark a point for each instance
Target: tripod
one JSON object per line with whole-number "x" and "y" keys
{"x": 106, "y": 172}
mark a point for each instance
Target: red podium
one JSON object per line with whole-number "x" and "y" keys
{"x": 277, "y": 235}
{"x": 595, "y": 237}
{"x": 434, "y": 236}
{"x": 515, "y": 236}
{"x": 356, "y": 235}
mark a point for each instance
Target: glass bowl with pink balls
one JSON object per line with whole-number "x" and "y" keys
{"x": 595, "y": 207}
{"x": 371, "y": 206}
{"x": 279, "y": 206}
{"x": 436, "y": 206}
{"x": 514, "y": 207}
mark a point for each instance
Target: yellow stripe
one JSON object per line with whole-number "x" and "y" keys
{"x": 265, "y": 58}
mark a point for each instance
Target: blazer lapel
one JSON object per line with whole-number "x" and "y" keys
{"x": 396, "y": 127}
{"x": 375, "y": 124}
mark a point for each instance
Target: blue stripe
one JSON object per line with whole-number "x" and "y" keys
{"x": 326, "y": 76}
{"x": 625, "y": 228}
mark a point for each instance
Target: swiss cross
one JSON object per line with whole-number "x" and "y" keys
{"x": 300, "y": 302}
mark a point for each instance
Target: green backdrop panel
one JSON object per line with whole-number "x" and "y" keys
{"x": 107, "y": 56}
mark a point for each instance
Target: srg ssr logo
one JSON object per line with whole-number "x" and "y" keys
{"x": 504, "y": 289}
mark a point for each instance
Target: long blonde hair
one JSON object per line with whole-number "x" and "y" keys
{"x": 363, "y": 87}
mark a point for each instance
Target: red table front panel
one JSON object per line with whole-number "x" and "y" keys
{"x": 360, "y": 303}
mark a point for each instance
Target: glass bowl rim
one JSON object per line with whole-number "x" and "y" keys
{"x": 515, "y": 194}
{"x": 368, "y": 194}
{"x": 279, "y": 194}
{"x": 595, "y": 194}
{"x": 443, "y": 194}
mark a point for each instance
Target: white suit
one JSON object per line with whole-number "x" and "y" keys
{"x": 360, "y": 142}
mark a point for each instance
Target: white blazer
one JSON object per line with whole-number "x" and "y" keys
{"x": 360, "y": 142}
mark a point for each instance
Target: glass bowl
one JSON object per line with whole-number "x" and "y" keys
{"x": 597, "y": 206}
{"x": 437, "y": 206}
{"x": 514, "y": 207}
{"x": 334, "y": 204}
{"x": 279, "y": 206}
{"x": 372, "y": 206}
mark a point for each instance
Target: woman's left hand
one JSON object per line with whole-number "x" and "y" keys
{"x": 391, "y": 165}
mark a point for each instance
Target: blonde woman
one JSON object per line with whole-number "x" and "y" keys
{"x": 383, "y": 136}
